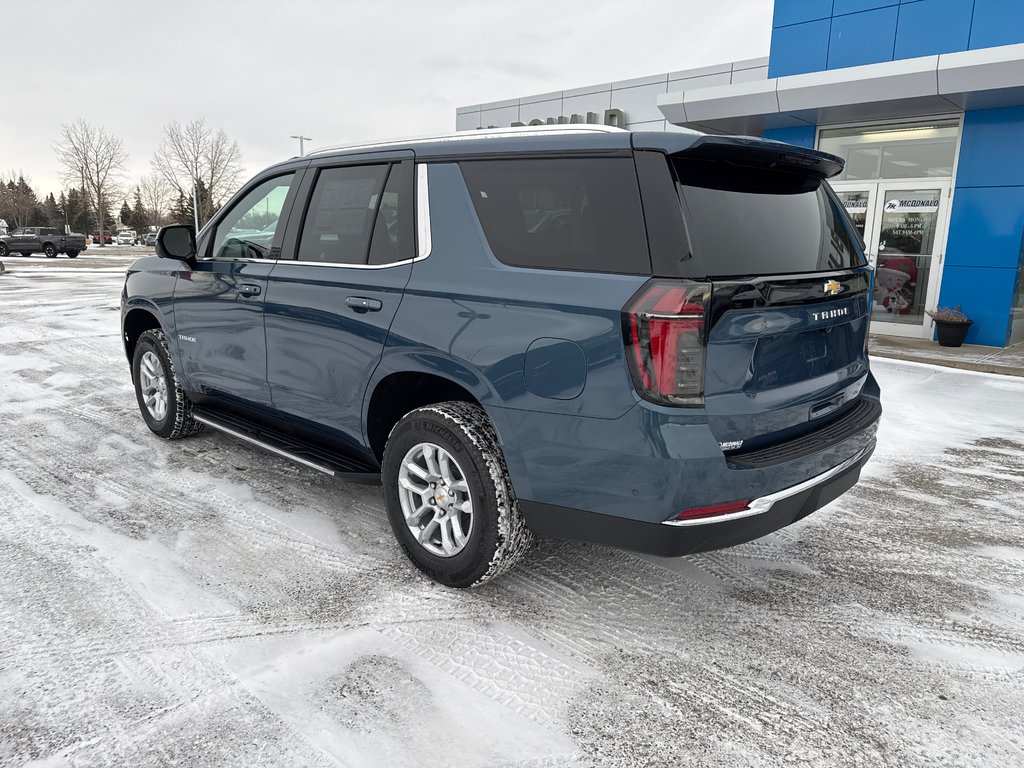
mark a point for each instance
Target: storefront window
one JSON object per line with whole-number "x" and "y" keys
{"x": 1017, "y": 311}
{"x": 905, "y": 245}
{"x": 910, "y": 151}
{"x": 856, "y": 205}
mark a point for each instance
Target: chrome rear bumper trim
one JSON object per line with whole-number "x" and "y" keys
{"x": 764, "y": 503}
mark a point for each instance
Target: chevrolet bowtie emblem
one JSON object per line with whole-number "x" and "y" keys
{"x": 832, "y": 287}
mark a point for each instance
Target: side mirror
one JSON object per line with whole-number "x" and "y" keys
{"x": 178, "y": 241}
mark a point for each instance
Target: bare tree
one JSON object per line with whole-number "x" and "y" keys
{"x": 195, "y": 158}
{"x": 156, "y": 196}
{"x": 95, "y": 160}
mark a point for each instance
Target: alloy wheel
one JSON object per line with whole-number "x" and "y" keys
{"x": 153, "y": 383}
{"x": 435, "y": 499}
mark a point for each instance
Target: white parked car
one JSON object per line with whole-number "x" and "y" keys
{"x": 126, "y": 237}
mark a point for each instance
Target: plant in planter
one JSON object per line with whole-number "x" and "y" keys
{"x": 951, "y": 325}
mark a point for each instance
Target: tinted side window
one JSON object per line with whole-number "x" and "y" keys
{"x": 340, "y": 216}
{"x": 248, "y": 229}
{"x": 393, "y": 232}
{"x": 561, "y": 213}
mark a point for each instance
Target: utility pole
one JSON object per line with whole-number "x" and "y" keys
{"x": 195, "y": 206}
{"x": 302, "y": 144}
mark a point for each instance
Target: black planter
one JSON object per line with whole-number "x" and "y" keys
{"x": 951, "y": 334}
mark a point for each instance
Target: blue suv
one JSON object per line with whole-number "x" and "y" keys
{"x": 656, "y": 341}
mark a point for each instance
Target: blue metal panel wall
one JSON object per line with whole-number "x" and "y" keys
{"x": 997, "y": 22}
{"x": 867, "y": 37}
{"x": 929, "y": 27}
{"x": 987, "y": 224}
{"x": 802, "y": 136}
{"x": 842, "y": 7}
{"x": 812, "y": 35}
{"x": 797, "y": 11}
{"x": 799, "y": 48}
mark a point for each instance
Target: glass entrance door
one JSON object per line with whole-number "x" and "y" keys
{"x": 904, "y": 227}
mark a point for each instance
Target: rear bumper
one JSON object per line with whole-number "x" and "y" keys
{"x": 674, "y": 538}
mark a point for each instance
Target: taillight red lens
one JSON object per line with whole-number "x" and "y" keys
{"x": 664, "y": 330}
{"x": 713, "y": 511}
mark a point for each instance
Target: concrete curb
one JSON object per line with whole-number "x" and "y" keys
{"x": 963, "y": 365}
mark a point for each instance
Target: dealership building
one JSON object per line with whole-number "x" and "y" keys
{"x": 923, "y": 99}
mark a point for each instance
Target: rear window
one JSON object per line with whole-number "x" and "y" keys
{"x": 747, "y": 221}
{"x": 578, "y": 214}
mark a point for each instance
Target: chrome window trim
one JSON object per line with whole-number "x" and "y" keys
{"x": 764, "y": 503}
{"x": 423, "y": 243}
{"x": 346, "y": 266}
{"x": 282, "y": 262}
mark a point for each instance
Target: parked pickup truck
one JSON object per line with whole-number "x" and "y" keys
{"x": 46, "y": 240}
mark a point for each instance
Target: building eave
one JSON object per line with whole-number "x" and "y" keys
{"x": 950, "y": 82}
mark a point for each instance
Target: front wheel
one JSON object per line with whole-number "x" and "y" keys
{"x": 26, "y": 254}
{"x": 163, "y": 403}
{"x": 50, "y": 251}
{"x": 449, "y": 498}
{"x": 3, "y": 250}
{"x": 72, "y": 254}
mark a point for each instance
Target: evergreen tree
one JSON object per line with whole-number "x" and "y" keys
{"x": 108, "y": 218}
{"x": 126, "y": 214}
{"x": 19, "y": 205}
{"x": 75, "y": 211}
{"x": 52, "y": 214}
{"x": 181, "y": 211}
{"x": 139, "y": 219}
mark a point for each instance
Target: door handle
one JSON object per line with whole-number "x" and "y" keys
{"x": 248, "y": 289}
{"x": 361, "y": 304}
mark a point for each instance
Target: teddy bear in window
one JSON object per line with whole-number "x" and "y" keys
{"x": 895, "y": 282}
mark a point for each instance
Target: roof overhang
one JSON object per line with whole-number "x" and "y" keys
{"x": 949, "y": 82}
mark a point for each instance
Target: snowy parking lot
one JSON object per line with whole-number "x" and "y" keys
{"x": 202, "y": 603}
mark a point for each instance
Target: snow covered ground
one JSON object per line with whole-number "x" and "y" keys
{"x": 202, "y": 603}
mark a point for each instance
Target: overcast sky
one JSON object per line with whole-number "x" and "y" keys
{"x": 336, "y": 71}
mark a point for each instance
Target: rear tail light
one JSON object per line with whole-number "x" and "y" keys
{"x": 664, "y": 329}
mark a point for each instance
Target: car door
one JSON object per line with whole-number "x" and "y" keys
{"x": 15, "y": 239}
{"x": 332, "y": 297}
{"x": 29, "y": 241}
{"x": 218, "y": 301}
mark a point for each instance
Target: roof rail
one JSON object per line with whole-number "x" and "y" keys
{"x": 482, "y": 133}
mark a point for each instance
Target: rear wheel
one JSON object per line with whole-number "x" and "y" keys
{"x": 163, "y": 403}
{"x": 448, "y": 496}
{"x": 72, "y": 254}
{"x": 3, "y": 250}
{"x": 50, "y": 251}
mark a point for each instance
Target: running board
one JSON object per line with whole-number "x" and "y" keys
{"x": 323, "y": 460}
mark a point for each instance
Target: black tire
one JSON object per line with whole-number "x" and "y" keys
{"x": 72, "y": 254}
{"x": 50, "y": 251}
{"x": 498, "y": 537}
{"x": 4, "y": 250}
{"x": 26, "y": 254}
{"x": 177, "y": 422}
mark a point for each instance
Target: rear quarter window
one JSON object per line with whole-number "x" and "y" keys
{"x": 581, "y": 214}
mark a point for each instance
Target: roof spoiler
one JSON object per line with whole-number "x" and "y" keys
{"x": 764, "y": 153}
